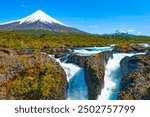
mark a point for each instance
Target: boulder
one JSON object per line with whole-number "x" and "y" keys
{"x": 76, "y": 59}
{"x": 26, "y": 51}
{"x": 94, "y": 73}
{"x": 6, "y": 51}
{"x": 135, "y": 83}
{"x": 127, "y": 48}
{"x": 57, "y": 51}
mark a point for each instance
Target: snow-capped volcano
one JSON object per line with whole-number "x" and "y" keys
{"x": 120, "y": 31}
{"x": 38, "y": 20}
{"x": 37, "y": 16}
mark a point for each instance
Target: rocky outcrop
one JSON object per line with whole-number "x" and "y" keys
{"x": 126, "y": 48}
{"x": 94, "y": 73}
{"x": 135, "y": 84}
{"x": 31, "y": 76}
{"x": 26, "y": 51}
{"x": 76, "y": 59}
{"x": 57, "y": 51}
{"x": 7, "y": 51}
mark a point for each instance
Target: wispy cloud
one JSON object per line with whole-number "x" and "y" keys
{"x": 93, "y": 26}
{"x": 130, "y": 30}
{"x": 24, "y": 6}
{"x": 134, "y": 31}
{"x": 139, "y": 32}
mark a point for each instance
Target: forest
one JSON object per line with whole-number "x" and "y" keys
{"x": 19, "y": 39}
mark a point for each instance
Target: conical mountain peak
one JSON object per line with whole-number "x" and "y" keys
{"x": 39, "y": 16}
{"x": 38, "y": 20}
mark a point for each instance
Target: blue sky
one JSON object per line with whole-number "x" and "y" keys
{"x": 94, "y": 16}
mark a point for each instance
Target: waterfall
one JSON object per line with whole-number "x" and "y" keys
{"x": 112, "y": 77}
{"x": 77, "y": 88}
{"x": 70, "y": 69}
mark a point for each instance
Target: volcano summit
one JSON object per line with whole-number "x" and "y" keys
{"x": 38, "y": 20}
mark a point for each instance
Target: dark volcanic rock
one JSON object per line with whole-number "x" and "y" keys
{"x": 126, "y": 48}
{"x": 135, "y": 84}
{"x": 57, "y": 51}
{"x": 148, "y": 52}
{"x": 138, "y": 48}
{"x": 94, "y": 73}
{"x": 31, "y": 76}
{"x": 76, "y": 59}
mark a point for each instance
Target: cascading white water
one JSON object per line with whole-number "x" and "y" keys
{"x": 77, "y": 88}
{"x": 70, "y": 69}
{"x": 112, "y": 77}
{"x": 88, "y": 51}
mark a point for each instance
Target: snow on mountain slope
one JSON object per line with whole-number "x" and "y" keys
{"x": 120, "y": 31}
{"x": 38, "y": 20}
{"x": 37, "y": 16}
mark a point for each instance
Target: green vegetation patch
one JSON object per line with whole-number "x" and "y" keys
{"x": 18, "y": 40}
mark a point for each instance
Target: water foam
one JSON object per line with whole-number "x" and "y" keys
{"x": 112, "y": 78}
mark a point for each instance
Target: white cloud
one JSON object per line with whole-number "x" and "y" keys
{"x": 24, "y": 6}
{"x": 130, "y": 30}
{"x": 93, "y": 26}
{"x": 139, "y": 32}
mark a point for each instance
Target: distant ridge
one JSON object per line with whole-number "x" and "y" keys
{"x": 120, "y": 33}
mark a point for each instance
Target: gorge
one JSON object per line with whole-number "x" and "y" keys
{"x": 83, "y": 83}
{"x": 77, "y": 73}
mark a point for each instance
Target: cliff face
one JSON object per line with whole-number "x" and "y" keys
{"x": 135, "y": 84}
{"x": 94, "y": 73}
{"x": 78, "y": 60}
{"x": 30, "y": 76}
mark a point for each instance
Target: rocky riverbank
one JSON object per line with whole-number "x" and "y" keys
{"x": 135, "y": 84}
{"x": 30, "y": 75}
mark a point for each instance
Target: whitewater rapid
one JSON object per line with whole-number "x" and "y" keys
{"x": 88, "y": 51}
{"x": 77, "y": 87}
{"x": 113, "y": 77}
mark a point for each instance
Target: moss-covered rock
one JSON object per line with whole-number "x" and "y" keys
{"x": 135, "y": 84}
{"x": 31, "y": 76}
{"x": 57, "y": 51}
{"x": 126, "y": 48}
{"x": 26, "y": 51}
{"x": 76, "y": 59}
{"x": 94, "y": 73}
